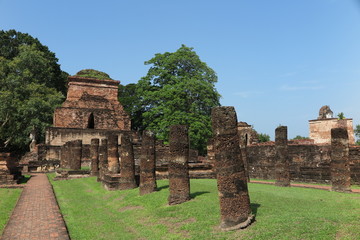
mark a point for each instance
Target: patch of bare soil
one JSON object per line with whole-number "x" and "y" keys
{"x": 174, "y": 225}
{"x": 129, "y": 208}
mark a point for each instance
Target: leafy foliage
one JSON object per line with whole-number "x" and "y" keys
{"x": 12, "y": 45}
{"x": 357, "y": 133}
{"x": 29, "y": 90}
{"x": 91, "y": 73}
{"x": 131, "y": 102}
{"x": 341, "y": 115}
{"x": 263, "y": 137}
{"x": 179, "y": 89}
{"x": 299, "y": 137}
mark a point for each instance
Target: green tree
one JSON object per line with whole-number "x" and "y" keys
{"x": 299, "y": 137}
{"x": 179, "y": 89}
{"x": 51, "y": 75}
{"x": 263, "y": 137}
{"x": 28, "y": 93}
{"x": 341, "y": 115}
{"x": 357, "y": 133}
{"x": 132, "y": 104}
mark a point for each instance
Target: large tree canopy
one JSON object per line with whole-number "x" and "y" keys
{"x": 179, "y": 89}
{"x": 11, "y": 43}
{"x": 30, "y": 88}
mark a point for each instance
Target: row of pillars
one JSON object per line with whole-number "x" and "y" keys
{"x": 339, "y": 165}
{"x": 179, "y": 184}
{"x": 231, "y": 177}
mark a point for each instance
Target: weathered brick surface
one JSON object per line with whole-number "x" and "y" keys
{"x": 71, "y": 155}
{"x": 231, "y": 178}
{"x": 8, "y": 169}
{"x": 113, "y": 154}
{"x": 282, "y": 168}
{"x": 103, "y": 161}
{"x": 36, "y": 215}
{"x": 92, "y": 103}
{"x": 127, "y": 164}
{"x": 94, "y": 155}
{"x": 179, "y": 184}
{"x": 340, "y": 168}
{"x": 320, "y": 130}
{"x": 147, "y": 164}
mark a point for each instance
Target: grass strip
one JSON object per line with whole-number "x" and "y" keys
{"x": 91, "y": 212}
{"x": 8, "y": 200}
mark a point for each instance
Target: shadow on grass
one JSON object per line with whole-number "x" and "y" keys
{"x": 24, "y": 179}
{"x": 163, "y": 187}
{"x": 254, "y": 208}
{"x": 195, "y": 194}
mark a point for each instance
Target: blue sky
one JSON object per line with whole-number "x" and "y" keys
{"x": 277, "y": 61}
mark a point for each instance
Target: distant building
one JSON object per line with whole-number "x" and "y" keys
{"x": 320, "y": 129}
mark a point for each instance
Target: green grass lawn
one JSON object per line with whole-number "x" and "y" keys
{"x": 8, "y": 199}
{"x": 91, "y": 212}
{"x": 353, "y": 186}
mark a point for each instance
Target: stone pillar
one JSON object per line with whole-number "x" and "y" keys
{"x": 147, "y": 164}
{"x": 339, "y": 165}
{"x": 71, "y": 155}
{"x": 282, "y": 165}
{"x": 113, "y": 154}
{"x": 235, "y": 208}
{"x": 76, "y": 152}
{"x": 94, "y": 156}
{"x": 102, "y": 159}
{"x": 64, "y": 156}
{"x": 127, "y": 164}
{"x": 243, "y": 150}
{"x": 179, "y": 184}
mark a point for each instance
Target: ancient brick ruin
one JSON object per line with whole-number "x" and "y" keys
{"x": 147, "y": 164}
{"x": 91, "y": 110}
{"x": 9, "y": 173}
{"x": 179, "y": 182}
{"x": 92, "y": 104}
{"x": 113, "y": 154}
{"x": 282, "y": 169}
{"x": 339, "y": 165}
{"x": 127, "y": 164}
{"x": 320, "y": 129}
{"x": 231, "y": 178}
{"x": 71, "y": 153}
{"x": 308, "y": 161}
{"x": 94, "y": 156}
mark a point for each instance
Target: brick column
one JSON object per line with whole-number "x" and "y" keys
{"x": 179, "y": 184}
{"x": 127, "y": 164}
{"x": 339, "y": 165}
{"x": 147, "y": 164}
{"x": 65, "y": 156}
{"x": 113, "y": 154}
{"x": 243, "y": 149}
{"x": 102, "y": 159}
{"x": 70, "y": 154}
{"x": 231, "y": 178}
{"x": 282, "y": 165}
{"x": 94, "y": 156}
